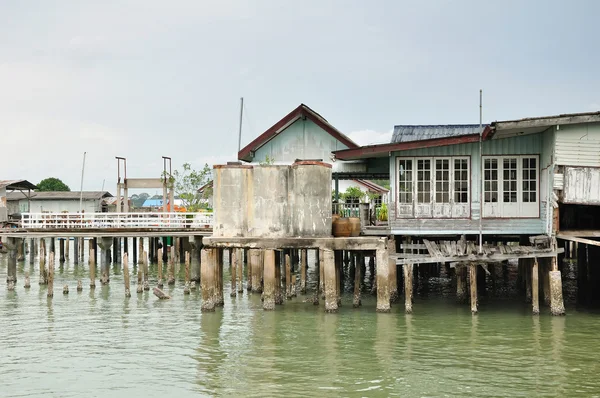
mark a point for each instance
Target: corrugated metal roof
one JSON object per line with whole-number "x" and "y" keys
{"x": 152, "y": 203}
{"x": 60, "y": 195}
{"x": 17, "y": 184}
{"x": 406, "y": 133}
{"x": 371, "y": 186}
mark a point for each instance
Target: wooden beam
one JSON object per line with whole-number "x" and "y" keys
{"x": 578, "y": 240}
{"x": 494, "y": 258}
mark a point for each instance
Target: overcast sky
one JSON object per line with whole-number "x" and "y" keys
{"x": 143, "y": 79}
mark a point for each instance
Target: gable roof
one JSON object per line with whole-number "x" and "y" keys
{"x": 405, "y": 133}
{"x": 60, "y": 195}
{"x": 371, "y": 186}
{"x": 301, "y": 111}
{"x": 16, "y": 184}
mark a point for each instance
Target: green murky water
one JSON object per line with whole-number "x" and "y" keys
{"x": 98, "y": 343}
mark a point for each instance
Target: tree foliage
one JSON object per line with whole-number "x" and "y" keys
{"x": 138, "y": 200}
{"x": 52, "y": 184}
{"x": 186, "y": 184}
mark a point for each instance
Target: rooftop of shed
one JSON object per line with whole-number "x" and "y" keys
{"x": 60, "y": 195}
{"x": 406, "y": 133}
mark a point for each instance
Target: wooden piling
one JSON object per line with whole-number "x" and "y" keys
{"x": 31, "y": 251}
{"x": 134, "y": 247}
{"x": 92, "y": 262}
{"x": 408, "y": 287}
{"x": 140, "y": 282}
{"x": 61, "y": 248}
{"x": 331, "y": 299}
{"x": 527, "y": 271}
{"x": 278, "y": 290}
{"x": 240, "y": 270}
{"x": 141, "y": 251}
{"x": 171, "y": 268}
{"x": 67, "y": 240}
{"x": 146, "y": 270}
{"x": 126, "y": 275}
{"x": 27, "y": 284}
{"x": 303, "y": 269}
{"x": 43, "y": 272}
{"x": 318, "y": 267}
{"x": 51, "y": 276}
{"x": 535, "y": 287}
{"x": 321, "y": 284}
{"x": 75, "y": 251}
{"x": 269, "y": 280}
{"x": 79, "y": 284}
{"x": 393, "y": 281}
{"x": 159, "y": 269}
{"x": 207, "y": 279}
{"x": 356, "y": 302}
{"x": 248, "y": 263}
{"x": 288, "y": 277}
{"x": 557, "y": 306}
{"x": 545, "y": 279}
{"x": 255, "y": 256}
{"x": 473, "y": 286}
{"x": 461, "y": 283}
{"x": 338, "y": 259}
{"x": 233, "y": 271}
{"x": 383, "y": 285}
{"x": 160, "y": 294}
{"x": 218, "y": 291}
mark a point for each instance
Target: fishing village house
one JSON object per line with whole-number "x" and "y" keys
{"x": 21, "y": 187}
{"x": 58, "y": 202}
{"x": 303, "y": 134}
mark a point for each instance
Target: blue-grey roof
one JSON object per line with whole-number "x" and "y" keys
{"x": 404, "y": 133}
{"x": 152, "y": 203}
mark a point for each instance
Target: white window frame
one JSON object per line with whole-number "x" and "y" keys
{"x": 433, "y": 209}
{"x": 518, "y": 209}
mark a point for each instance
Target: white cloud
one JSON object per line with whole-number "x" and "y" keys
{"x": 370, "y": 137}
{"x": 594, "y": 106}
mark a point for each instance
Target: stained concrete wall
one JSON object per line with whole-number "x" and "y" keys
{"x": 272, "y": 201}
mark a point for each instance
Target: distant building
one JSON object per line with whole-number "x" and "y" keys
{"x": 20, "y": 187}
{"x": 57, "y": 202}
{"x": 157, "y": 204}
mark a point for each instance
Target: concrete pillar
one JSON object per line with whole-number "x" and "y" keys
{"x": 408, "y": 287}
{"x": 545, "y": 279}
{"x": 279, "y": 261}
{"x": 383, "y": 285}
{"x": 207, "y": 279}
{"x": 321, "y": 283}
{"x": 557, "y": 306}
{"x": 473, "y": 286}
{"x": 233, "y": 265}
{"x": 356, "y": 302}
{"x": 67, "y": 242}
{"x": 303, "y": 269}
{"x": 461, "y": 284}
{"x": 331, "y": 302}
{"x": 269, "y": 280}
{"x": 393, "y": 280}
{"x": 218, "y": 292}
{"x": 196, "y": 248}
{"x": 535, "y": 287}
{"x": 76, "y": 251}
{"x": 11, "y": 275}
{"x": 288, "y": 276}
{"x": 338, "y": 258}
{"x": 318, "y": 268}
{"x": 105, "y": 245}
{"x": 255, "y": 269}
{"x": 240, "y": 269}
{"x": 141, "y": 250}
{"x": 61, "y": 248}
{"x": 20, "y": 250}
{"x": 527, "y": 272}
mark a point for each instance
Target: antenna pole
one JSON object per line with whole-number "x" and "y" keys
{"x": 481, "y": 185}
{"x": 81, "y": 187}
{"x": 240, "y": 126}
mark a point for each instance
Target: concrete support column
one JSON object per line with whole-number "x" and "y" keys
{"x": 61, "y": 246}
{"x": 321, "y": 284}
{"x": 557, "y": 306}
{"x": 545, "y": 279}
{"x": 32, "y": 250}
{"x": 269, "y": 280}
{"x": 20, "y": 249}
{"x": 288, "y": 277}
{"x": 338, "y": 256}
{"x": 383, "y": 284}
{"x": 473, "y": 285}
{"x": 11, "y": 275}
{"x": 208, "y": 279}
{"x": 255, "y": 255}
{"x": 461, "y": 284}
{"x": 67, "y": 244}
{"x": 318, "y": 268}
{"x": 196, "y": 248}
{"x": 331, "y": 302}
{"x": 279, "y": 260}
{"x": 105, "y": 245}
{"x": 535, "y": 287}
{"x": 141, "y": 250}
{"x": 408, "y": 287}
{"x": 393, "y": 280}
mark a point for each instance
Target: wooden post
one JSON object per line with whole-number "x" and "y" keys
{"x": 82, "y": 250}
{"x": 233, "y": 270}
{"x": 51, "y": 276}
{"x": 61, "y": 248}
{"x": 75, "y": 251}
{"x": 408, "y": 287}
{"x": 140, "y": 251}
{"x": 32, "y": 251}
{"x": 171, "y": 267}
{"x": 92, "y": 261}
{"x": 269, "y": 281}
{"x": 303, "y": 264}
{"x": 186, "y": 288}
{"x": 126, "y": 274}
{"x": 160, "y": 269}
{"x": 473, "y": 285}
{"x": 218, "y": 292}
{"x": 288, "y": 277}
{"x": 248, "y": 262}
{"x": 240, "y": 269}
{"x": 527, "y": 270}
{"x": 356, "y": 302}
{"x": 382, "y": 272}
{"x": 461, "y": 283}
{"x": 331, "y": 300}
{"x": 318, "y": 267}
{"x": 207, "y": 279}
{"x": 67, "y": 248}
{"x": 27, "y": 281}
{"x": 338, "y": 258}
{"x": 145, "y": 267}
{"x": 535, "y": 288}
{"x": 43, "y": 273}
{"x": 278, "y": 293}
{"x": 321, "y": 283}
{"x": 545, "y": 276}
{"x": 134, "y": 247}
{"x": 393, "y": 281}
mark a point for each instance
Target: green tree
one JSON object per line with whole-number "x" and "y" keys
{"x": 52, "y": 184}
{"x": 138, "y": 200}
{"x": 186, "y": 184}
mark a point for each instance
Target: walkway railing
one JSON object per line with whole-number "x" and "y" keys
{"x": 116, "y": 220}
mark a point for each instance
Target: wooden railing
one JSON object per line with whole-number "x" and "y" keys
{"x": 116, "y": 220}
